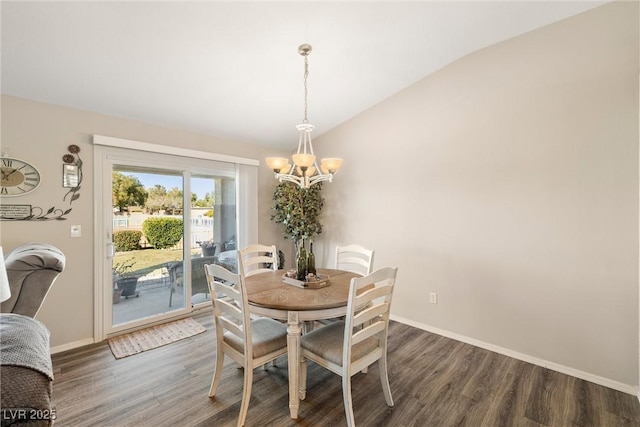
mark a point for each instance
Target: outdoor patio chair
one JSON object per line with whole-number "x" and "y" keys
{"x": 198, "y": 276}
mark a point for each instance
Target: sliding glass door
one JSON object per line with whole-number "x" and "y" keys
{"x": 165, "y": 217}
{"x": 148, "y": 241}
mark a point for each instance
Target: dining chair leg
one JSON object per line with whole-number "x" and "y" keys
{"x": 272, "y": 363}
{"x": 246, "y": 394}
{"x": 346, "y": 394}
{"x": 384, "y": 379}
{"x": 217, "y": 373}
{"x": 302, "y": 379}
{"x": 307, "y": 327}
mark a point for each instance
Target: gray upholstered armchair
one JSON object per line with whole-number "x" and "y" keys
{"x": 26, "y": 372}
{"x": 32, "y": 268}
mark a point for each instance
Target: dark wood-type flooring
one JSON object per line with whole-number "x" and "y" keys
{"x": 435, "y": 381}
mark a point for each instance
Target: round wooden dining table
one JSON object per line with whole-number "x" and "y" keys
{"x": 269, "y": 296}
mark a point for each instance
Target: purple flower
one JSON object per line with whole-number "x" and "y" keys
{"x": 207, "y": 244}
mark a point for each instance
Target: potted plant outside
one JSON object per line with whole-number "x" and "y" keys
{"x": 127, "y": 281}
{"x": 208, "y": 248}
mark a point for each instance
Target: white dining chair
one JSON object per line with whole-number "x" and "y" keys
{"x": 258, "y": 258}
{"x": 348, "y": 347}
{"x": 354, "y": 258}
{"x": 250, "y": 343}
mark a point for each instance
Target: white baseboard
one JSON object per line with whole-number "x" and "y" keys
{"x": 625, "y": 388}
{"x": 71, "y": 345}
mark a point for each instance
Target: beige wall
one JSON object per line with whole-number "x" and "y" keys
{"x": 41, "y": 133}
{"x": 507, "y": 182}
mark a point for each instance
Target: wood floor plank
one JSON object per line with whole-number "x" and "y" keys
{"x": 501, "y": 410}
{"x": 435, "y": 381}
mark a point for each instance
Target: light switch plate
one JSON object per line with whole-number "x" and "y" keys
{"x": 76, "y": 231}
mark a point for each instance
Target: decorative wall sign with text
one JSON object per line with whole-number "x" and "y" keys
{"x": 71, "y": 179}
{"x": 15, "y": 211}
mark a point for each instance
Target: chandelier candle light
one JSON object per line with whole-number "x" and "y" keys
{"x": 304, "y": 171}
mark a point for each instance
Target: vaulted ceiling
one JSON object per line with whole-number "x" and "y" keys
{"x": 232, "y": 69}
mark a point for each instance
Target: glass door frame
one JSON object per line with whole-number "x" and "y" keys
{"x": 108, "y": 150}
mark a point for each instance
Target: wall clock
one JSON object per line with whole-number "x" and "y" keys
{"x": 18, "y": 177}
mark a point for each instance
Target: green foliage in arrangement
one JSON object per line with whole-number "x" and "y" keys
{"x": 298, "y": 210}
{"x": 163, "y": 233}
{"x": 127, "y": 240}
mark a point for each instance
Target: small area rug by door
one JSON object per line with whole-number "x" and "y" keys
{"x": 154, "y": 337}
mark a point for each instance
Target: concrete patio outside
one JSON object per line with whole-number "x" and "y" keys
{"x": 152, "y": 299}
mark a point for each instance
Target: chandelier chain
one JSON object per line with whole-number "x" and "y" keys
{"x": 306, "y": 75}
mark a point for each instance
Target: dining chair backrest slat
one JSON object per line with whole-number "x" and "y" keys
{"x": 258, "y": 258}
{"x": 354, "y": 258}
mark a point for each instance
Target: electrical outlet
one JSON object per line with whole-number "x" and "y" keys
{"x": 433, "y": 298}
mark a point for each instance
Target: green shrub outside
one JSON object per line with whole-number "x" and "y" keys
{"x": 127, "y": 240}
{"x": 163, "y": 233}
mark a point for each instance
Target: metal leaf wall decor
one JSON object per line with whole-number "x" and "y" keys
{"x": 73, "y": 194}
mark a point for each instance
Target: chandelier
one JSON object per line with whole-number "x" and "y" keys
{"x": 304, "y": 171}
